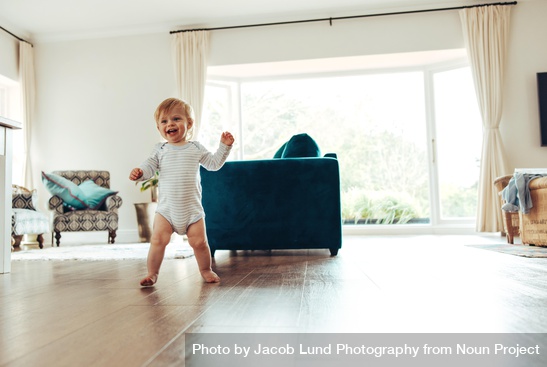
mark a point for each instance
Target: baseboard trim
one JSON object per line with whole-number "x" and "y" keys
{"x": 70, "y": 238}
{"x": 407, "y": 229}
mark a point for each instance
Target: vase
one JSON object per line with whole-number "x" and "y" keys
{"x": 145, "y": 219}
{"x": 154, "y": 192}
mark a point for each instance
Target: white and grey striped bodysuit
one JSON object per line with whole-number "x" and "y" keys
{"x": 180, "y": 183}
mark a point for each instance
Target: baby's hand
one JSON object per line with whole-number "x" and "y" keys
{"x": 227, "y": 138}
{"x": 135, "y": 174}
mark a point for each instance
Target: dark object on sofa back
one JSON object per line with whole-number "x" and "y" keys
{"x": 291, "y": 203}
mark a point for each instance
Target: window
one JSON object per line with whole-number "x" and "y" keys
{"x": 397, "y": 132}
{"x": 220, "y": 112}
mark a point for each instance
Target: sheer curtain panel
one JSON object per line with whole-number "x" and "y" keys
{"x": 28, "y": 91}
{"x": 190, "y": 55}
{"x": 485, "y": 31}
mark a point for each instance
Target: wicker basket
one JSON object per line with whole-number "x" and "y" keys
{"x": 510, "y": 219}
{"x": 534, "y": 224}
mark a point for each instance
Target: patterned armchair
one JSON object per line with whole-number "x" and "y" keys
{"x": 25, "y": 219}
{"x": 105, "y": 218}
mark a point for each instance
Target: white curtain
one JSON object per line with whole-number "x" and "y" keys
{"x": 28, "y": 91}
{"x": 485, "y": 32}
{"x": 190, "y": 55}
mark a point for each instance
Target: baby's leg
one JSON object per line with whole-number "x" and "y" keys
{"x": 161, "y": 235}
{"x": 197, "y": 238}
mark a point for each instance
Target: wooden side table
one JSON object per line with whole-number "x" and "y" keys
{"x": 145, "y": 219}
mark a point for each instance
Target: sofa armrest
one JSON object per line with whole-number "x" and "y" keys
{"x": 538, "y": 183}
{"x": 56, "y": 204}
{"x": 113, "y": 203}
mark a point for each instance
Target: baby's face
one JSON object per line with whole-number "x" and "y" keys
{"x": 173, "y": 125}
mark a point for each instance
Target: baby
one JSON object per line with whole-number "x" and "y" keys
{"x": 179, "y": 207}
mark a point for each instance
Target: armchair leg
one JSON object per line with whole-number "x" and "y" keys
{"x": 40, "y": 239}
{"x": 57, "y": 238}
{"x": 111, "y": 236}
{"x": 17, "y": 240}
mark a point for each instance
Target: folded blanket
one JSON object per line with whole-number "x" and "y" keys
{"x": 517, "y": 193}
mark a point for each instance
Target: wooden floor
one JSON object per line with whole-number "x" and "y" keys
{"x": 93, "y": 313}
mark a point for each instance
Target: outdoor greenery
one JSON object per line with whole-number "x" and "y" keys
{"x": 383, "y": 175}
{"x": 377, "y": 207}
{"x": 460, "y": 201}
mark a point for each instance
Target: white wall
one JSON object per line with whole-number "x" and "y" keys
{"x": 96, "y": 100}
{"x": 96, "y": 97}
{"x": 527, "y": 56}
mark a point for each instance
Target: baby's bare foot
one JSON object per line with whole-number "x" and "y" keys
{"x": 210, "y": 276}
{"x": 149, "y": 280}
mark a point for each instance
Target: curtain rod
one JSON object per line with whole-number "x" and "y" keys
{"x": 341, "y": 18}
{"x": 13, "y": 35}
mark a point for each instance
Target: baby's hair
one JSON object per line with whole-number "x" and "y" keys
{"x": 171, "y": 103}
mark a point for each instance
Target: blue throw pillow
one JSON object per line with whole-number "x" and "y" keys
{"x": 279, "y": 153}
{"x": 67, "y": 190}
{"x": 95, "y": 195}
{"x": 301, "y": 145}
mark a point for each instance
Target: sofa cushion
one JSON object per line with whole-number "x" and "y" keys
{"x": 67, "y": 190}
{"x": 95, "y": 195}
{"x": 301, "y": 145}
{"x": 25, "y": 221}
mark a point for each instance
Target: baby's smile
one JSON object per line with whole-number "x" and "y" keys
{"x": 172, "y": 131}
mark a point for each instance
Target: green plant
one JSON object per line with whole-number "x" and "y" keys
{"x": 152, "y": 184}
{"x": 355, "y": 202}
{"x": 389, "y": 210}
{"x": 379, "y": 207}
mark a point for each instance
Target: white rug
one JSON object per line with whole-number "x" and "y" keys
{"x": 100, "y": 252}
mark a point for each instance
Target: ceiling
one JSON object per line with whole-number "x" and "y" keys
{"x": 40, "y": 20}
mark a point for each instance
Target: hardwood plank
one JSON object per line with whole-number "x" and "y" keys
{"x": 128, "y": 337}
{"x": 59, "y": 313}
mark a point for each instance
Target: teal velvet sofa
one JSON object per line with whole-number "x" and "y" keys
{"x": 271, "y": 204}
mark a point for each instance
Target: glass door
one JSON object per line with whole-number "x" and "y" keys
{"x": 457, "y": 142}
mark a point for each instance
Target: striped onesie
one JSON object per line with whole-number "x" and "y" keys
{"x": 180, "y": 182}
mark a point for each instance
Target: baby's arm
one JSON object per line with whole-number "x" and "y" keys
{"x": 214, "y": 162}
{"x": 135, "y": 174}
{"x": 227, "y": 138}
{"x": 148, "y": 168}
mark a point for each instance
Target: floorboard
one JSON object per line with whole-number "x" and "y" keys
{"x": 93, "y": 313}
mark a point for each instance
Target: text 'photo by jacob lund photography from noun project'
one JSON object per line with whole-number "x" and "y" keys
{"x": 349, "y": 350}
